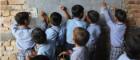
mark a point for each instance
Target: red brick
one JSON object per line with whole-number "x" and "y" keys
{"x": 4, "y": 2}
{"x": 133, "y": 11}
{"x": 130, "y": 21}
{"x": 137, "y": 22}
{"x": 5, "y": 12}
{"x": 15, "y": 7}
{"x": 133, "y": 1}
{"x": 4, "y": 7}
{"x": 131, "y": 6}
{"x": 15, "y": 2}
{"x": 136, "y": 15}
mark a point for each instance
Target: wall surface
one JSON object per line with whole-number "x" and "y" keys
{"x": 53, "y": 5}
{"x": 133, "y": 8}
{"x": 9, "y": 8}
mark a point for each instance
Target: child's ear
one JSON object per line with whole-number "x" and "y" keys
{"x": 81, "y": 15}
{"x": 88, "y": 19}
{"x": 26, "y": 22}
{"x": 115, "y": 19}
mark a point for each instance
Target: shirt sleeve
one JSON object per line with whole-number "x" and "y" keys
{"x": 14, "y": 27}
{"x": 41, "y": 52}
{"x": 43, "y": 25}
{"x": 51, "y": 35}
{"x": 107, "y": 16}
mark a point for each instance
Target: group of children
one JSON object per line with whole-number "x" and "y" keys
{"x": 73, "y": 37}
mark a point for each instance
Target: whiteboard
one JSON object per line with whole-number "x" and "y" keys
{"x": 53, "y": 5}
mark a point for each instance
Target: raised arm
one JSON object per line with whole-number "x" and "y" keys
{"x": 45, "y": 23}
{"x": 66, "y": 14}
{"x": 44, "y": 17}
{"x": 14, "y": 26}
{"x": 106, "y": 13}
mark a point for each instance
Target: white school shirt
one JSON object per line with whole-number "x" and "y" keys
{"x": 124, "y": 57}
{"x": 71, "y": 24}
{"x": 94, "y": 31}
{"x": 52, "y": 33}
{"x": 80, "y": 53}
{"x": 47, "y": 50}
{"x": 117, "y": 30}
{"x": 23, "y": 37}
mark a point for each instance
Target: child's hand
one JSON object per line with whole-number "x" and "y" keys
{"x": 43, "y": 14}
{"x": 63, "y": 8}
{"x": 68, "y": 52}
{"x": 103, "y": 4}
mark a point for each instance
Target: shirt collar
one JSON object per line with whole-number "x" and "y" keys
{"x": 92, "y": 24}
{"x": 119, "y": 23}
{"x": 78, "y": 48}
{"x": 22, "y": 27}
{"x": 127, "y": 56}
{"x": 54, "y": 27}
{"x": 75, "y": 18}
{"x": 40, "y": 45}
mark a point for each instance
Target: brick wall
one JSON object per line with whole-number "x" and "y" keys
{"x": 8, "y": 9}
{"x": 8, "y": 50}
{"x": 133, "y": 8}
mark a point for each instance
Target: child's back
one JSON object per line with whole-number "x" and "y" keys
{"x": 77, "y": 12}
{"x": 53, "y": 33}
{"x": 116, "y": 23}
{"x": 22, "y": 33}
{"x": 23, "y": 38}
{"x": 93, "y": 28}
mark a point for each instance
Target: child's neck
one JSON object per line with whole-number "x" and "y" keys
{"x": 23, "y": 26}
{"x": 92, "y": 23}
{"x": 77, "y": 45}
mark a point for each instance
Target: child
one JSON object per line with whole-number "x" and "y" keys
{"x": 22, "y": 33}
{"x": 132, "y": 45}
{"x": 93, "y": 29}
{"x": 81, "y": 37}
{"x": 77, "y": 13}
{"x": 43, "y": 48}
{"x": 117, "y": 30}
{"x": 53, "y": 32}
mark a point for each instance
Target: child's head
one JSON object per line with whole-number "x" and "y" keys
{"x": 77, "y": 11}
{"x": 22, "y": 18}
{"x": 132, "y": 44}
{"x": 80, "y": 36}
{"x": 56, "y": 19}
{"x": 120, "y": 15}
{"x": 92, "y": 16}
{"x": 40, "y": 57}
{"x": 38, "y": 36}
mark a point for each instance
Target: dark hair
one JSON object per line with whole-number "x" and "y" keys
{"x": 120, "y": 15}
{"x": 81, "y": 36}
{"x": 56, "y": 18}
{"x": 93, "y": 16}
{"x": 40, "y": 57}
{"x": 21, "y": 17}
{"x": 77, "y": 10}
{"x": 38, "y": 36}
{"x": 132, "y": 43}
